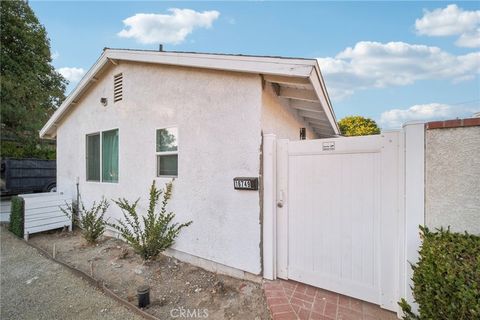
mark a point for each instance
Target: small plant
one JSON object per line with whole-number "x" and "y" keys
{"x": 91, "y": 221}
{"x": 156, "y": 232}
{"x": 17, "y": 216}
{"x": 446, "y": 279}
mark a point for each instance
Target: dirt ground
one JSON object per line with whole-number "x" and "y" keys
{"x": 175, "y": 287}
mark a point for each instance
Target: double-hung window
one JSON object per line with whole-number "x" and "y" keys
{"x": 93, "y": 157}
{"x": 102, "y": 156}
{"x": 167, "y": 152}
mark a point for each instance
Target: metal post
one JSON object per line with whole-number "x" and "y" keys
{"x": 78, "y": 202}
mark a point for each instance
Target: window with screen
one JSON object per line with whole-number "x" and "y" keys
{"x": 167, "y": 152}
{"x": 93, "y": 157}
{"x": 102, "y": 156}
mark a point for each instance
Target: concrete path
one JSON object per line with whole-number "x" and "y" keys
{"x": 34, "y": 287}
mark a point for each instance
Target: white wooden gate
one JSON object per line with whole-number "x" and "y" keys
{"x": 338, "y": 215}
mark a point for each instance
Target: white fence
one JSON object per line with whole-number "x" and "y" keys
{"x": 343, "y": 213}
{"x": 42, "y": 212}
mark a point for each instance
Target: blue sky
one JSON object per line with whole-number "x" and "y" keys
{"x": 391, "y": 61}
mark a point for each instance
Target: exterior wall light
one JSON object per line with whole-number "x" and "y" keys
{"x": 104, "y": 101}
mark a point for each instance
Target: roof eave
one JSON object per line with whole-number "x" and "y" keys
{"x": 302, "y": 68}
{"x": 258, "y": 65}
{"x": 49, "y": 129}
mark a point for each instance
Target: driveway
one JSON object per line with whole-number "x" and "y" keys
{"x": 34, "y": 287}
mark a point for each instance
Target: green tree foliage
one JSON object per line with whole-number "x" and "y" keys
{"x": 155, "y": 232}
{"x": 446, "y": 279}
{"x": 358, "y": 126}
{"x": 31, "y": 89}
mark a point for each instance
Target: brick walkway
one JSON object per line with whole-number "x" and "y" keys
{"x": 289, "y": 300}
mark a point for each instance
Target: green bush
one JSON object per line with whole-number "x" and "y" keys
{"x": 17, "y": 214}
{"x": 156, "y": 232}
{"x": 91, "y": 221}
{"x": 446, "y": 279}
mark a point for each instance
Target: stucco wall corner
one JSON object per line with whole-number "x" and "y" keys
{"x": 452, "y": 173}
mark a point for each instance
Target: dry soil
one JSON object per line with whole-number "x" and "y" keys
{"x": 176, "y": 288}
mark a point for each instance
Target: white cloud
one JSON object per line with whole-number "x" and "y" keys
{"x": 171, "y": 28}
{"x": 469, "y": 40}
{"x": 73, "y": 75}
{"x": 450, "y": 21}
{"x": 394, "y": 118}
{"x": 379, "y": 65}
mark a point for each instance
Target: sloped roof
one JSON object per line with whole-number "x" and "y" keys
{"x": 297, "y": 80}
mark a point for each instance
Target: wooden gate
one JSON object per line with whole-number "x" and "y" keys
{"x": 338, "y": 204}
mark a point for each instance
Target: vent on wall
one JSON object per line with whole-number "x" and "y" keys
{"x": 118, "y": 87}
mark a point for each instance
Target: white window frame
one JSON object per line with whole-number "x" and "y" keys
{"x": 100, "y": 133}
{"x": 165, "y": 153}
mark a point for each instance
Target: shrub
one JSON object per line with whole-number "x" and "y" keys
{"x": 17, "y": 215}
{"x": 446, "y": 279}
{"x": 156, "y": 232}
{"x": 91, "y": 221}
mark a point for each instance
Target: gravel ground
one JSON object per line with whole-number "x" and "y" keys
{"x": 34, "y": 287}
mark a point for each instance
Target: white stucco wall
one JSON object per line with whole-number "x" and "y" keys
{"x": 452, "y": 188}
{"x": 278, "y": 118}
{"x": 218, "y": 119}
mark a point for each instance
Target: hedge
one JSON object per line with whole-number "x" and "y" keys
{"x": 17, "y": 215}
{"x": 446, "y": 279}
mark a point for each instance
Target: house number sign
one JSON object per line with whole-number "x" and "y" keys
{"x": 245, "y": 183}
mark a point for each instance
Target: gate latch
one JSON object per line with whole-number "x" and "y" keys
{"x": 280, "y": 201}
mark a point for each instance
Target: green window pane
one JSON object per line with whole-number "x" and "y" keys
{"x": 167, "y": 139}
{"x": 167, "y": 165}
{"x": 93, "y": 157}
{"x": 110, "y": 156}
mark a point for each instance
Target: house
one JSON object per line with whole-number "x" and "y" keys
{"x": 338, "y": 213}
{"x": 139, "y": 116}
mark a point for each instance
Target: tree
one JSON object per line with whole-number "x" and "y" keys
{"x": 31, "y": 89}
{"x": 358, "y": 126}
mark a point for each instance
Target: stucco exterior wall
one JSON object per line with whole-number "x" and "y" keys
{"x": 218, "y": 119}
{"x": 452, "y": 173}
{"x": 278, "y": 118}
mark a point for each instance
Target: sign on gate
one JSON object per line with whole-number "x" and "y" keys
{"x": 328, "y": 145}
